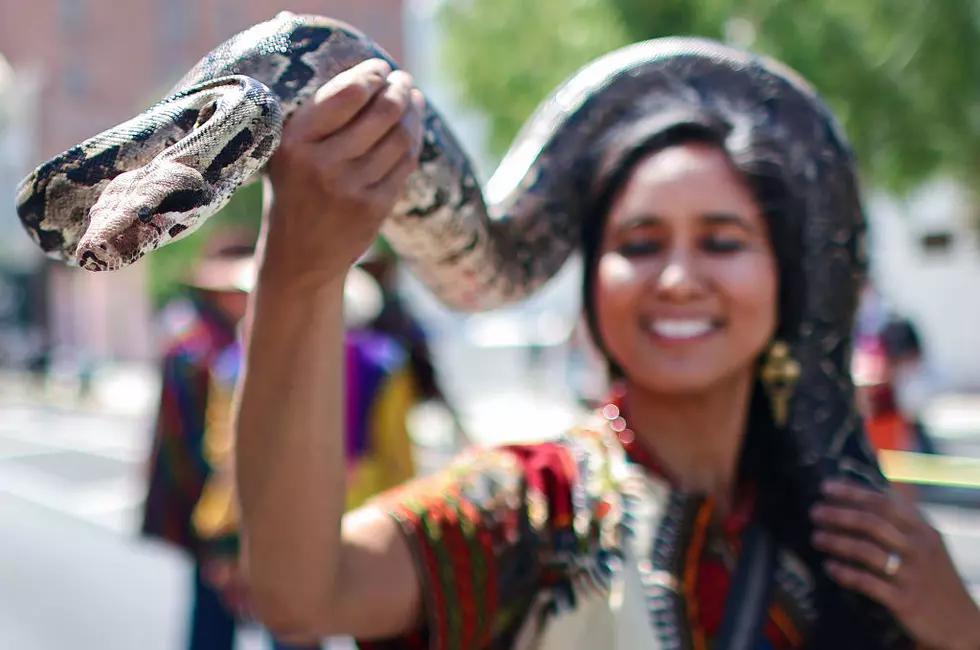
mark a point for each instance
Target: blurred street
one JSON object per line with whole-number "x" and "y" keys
{"x": 72, "y": 573}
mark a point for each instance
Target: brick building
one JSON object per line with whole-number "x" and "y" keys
{"x": 102, "y": 61}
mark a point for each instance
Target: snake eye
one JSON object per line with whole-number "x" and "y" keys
{"x": 145, "y": 214}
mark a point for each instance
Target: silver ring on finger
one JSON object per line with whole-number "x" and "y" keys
{"x": 892, "y": 564}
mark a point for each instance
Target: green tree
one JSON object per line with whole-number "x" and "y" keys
{"x": 900, "y": 75}
{"x": 506, "y": 55}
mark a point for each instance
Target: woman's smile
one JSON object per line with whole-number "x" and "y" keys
{"x": 674, "y": 330}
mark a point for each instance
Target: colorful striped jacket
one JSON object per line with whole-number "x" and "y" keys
{"x": 381, "y": 391}
{"x": 196, "y": 335}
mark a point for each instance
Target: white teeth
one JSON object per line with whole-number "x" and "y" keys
{"x": 681, "y": 329}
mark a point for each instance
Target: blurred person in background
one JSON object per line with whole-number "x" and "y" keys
{"x": 885, "y": 424}
{"x": 397, "y": 321}
{"x": 886, "y": 427}
{"x": 200, "y": 327}
{"x": 381, "y": 392}
{"x": 913, "y": 380}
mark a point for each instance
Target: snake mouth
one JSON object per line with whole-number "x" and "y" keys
{"x": 91, "y": 262}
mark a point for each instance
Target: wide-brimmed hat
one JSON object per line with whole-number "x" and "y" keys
{"x": 226, "y": 262}
{"x": 363, "y": 296}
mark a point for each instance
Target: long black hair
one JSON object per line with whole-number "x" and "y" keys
{"x": 769, "y": 454}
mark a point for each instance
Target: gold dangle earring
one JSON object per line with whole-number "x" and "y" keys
{"x": 779, "y": 374}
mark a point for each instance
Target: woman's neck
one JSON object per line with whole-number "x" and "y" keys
{"x": 697, "y": 438}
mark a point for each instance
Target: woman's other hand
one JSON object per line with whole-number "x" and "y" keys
{"x": 884, "y": 548}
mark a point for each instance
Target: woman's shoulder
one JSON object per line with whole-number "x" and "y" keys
{"x": 575, "y": 475}
{"x": 587, "y": 453}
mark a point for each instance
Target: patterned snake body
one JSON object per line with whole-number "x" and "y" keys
{"x": 119, "y": 195}
{"x": 108, "y": 201}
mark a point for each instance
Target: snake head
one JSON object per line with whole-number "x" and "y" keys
{"x": 141, "y": 210}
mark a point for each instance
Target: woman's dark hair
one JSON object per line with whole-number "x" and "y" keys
{"x": 769, "y": 453}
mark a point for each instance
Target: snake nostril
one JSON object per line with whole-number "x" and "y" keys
{"x": 90, "y": 261}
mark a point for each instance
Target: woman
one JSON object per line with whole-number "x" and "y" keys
{"x": 723, "y": 262}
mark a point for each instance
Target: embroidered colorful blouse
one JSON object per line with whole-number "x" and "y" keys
{"x": 574, "y": 544}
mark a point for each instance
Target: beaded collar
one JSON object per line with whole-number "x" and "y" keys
{"x": 614, "y": 413}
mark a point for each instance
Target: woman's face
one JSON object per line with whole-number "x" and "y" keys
{"x": 686, "y": 282}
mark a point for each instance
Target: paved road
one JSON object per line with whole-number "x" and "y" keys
{"x": 65, "y": 583}
{"x": 70, "y": 575}
{"x": 72, "y": 572}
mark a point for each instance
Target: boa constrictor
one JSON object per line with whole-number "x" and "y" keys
{"x": 156, "y": 178}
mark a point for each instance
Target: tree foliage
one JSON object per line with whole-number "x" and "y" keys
{"x": 507, "y": 55}
{"x": 901, "y": 75}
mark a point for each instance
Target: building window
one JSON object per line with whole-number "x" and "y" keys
{"x": 71, "y": 13}
{"x": 176, "y": 20}
{"x": 175, "y": 24}
{"x": 934, "y": 243}
{"x": 228, "y": 20}
{"x": 75, "y": 79}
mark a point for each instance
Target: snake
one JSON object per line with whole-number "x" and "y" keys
{"x": 107, "y": 202}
